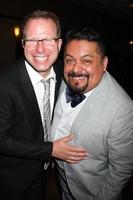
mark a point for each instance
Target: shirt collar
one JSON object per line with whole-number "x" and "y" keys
{"x": 88, "y": 93}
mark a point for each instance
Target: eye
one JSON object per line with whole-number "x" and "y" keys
{"x": 69, "y": 61}
{"x": 87, "y": 61}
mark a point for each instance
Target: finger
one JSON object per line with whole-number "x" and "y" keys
{"x": 74, "y": 160}
{"x": 76, "y": 149}
{"x": 68, "y": 138}
{"x": 77, "y": 154}
{"x": 75, "y": 157}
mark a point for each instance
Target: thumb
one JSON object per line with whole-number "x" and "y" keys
{"x": 68, "y": 138}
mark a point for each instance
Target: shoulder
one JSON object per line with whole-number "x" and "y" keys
{"x": 10, "y": 74}
{"x": 113, "y": 89}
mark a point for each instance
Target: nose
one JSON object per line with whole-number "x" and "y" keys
{"x": 40, "y": 46}
{"x": 77, "y": 67}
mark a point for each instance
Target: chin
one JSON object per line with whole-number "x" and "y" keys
{"x": 77, "y": 90}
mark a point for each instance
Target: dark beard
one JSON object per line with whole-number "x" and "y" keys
{"x": 76, "y": 88}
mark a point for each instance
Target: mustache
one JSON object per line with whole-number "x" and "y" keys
{"x": 78, "y": 75}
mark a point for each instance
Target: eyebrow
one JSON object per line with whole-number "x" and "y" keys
{"x": 84, "y": 56}
{"x": 65, "y": 55}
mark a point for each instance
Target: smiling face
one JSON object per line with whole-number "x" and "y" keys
{"x": 41, "y": 57}
{"x": 84, "y": 65}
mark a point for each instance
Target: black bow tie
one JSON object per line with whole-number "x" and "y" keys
{"x": 75, "y": 99}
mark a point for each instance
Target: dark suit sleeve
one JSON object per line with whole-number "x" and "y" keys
{"x": 16, "y": 137}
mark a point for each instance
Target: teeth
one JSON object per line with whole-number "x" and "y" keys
{"x": 77, "y": 78}
{"x": 41, "y": 58}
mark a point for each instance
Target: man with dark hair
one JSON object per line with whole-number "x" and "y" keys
{"x": 96, "y": 109}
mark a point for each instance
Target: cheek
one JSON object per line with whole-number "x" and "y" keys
{"x": 66, "y": 73}
{"x": 28, "y": 51}
{"x": 53, "y": 52}
{"x": 95, "y": 78}
{"x": 67, "y": 69}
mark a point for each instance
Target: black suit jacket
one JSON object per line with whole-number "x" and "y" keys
{"x": 22, "y": 149}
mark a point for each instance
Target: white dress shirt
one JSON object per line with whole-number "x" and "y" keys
{"x": 38, "y": 86}
{"x": 64, "y": 116}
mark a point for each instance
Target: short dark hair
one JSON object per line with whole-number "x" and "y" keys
{"x": 88, "y": 34}
{"x": 44, "y": 15}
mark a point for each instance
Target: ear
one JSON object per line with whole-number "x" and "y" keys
{"x": 59, "y": 44}
{"x": 105, "y": 63}
{"x": 22, "y": 41}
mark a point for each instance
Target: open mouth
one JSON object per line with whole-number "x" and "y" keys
{"x": 79, "y": 77}
{"x": 42, "y": 58}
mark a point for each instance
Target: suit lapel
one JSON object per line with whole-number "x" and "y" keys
{"x": 28, "y": 89}
{"x": 58, "y": 71}
{"x": 90, "y": 104}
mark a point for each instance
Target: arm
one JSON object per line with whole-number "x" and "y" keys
{"x": 14, "y": 141}
{"x": 120, "y": 154}
{"x": 19, "y": 133}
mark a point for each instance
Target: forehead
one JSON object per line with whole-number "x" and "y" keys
{"x": 40, "y": 25}
{"x": 81, "y": 47}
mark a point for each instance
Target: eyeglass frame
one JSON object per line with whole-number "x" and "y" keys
{"x": 40, "y": 40}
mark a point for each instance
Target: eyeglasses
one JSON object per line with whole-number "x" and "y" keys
{"x": 48, "y": 42}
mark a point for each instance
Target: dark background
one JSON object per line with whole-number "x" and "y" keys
{"x": 112, "y": 18}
